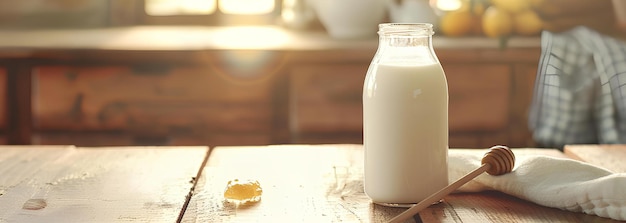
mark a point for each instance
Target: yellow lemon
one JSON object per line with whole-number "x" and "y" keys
{"x": 527, "y": 23}
{"x": 477, "y": 7}
{"x": 511, "y": 6}
{"x": 497, "y": 22}
{"x": 456, "y": 23}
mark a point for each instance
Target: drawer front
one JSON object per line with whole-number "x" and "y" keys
{"x": 479, "y": 96}
{"x": 326, "y": 99}
{"x": 524, "y": 79}
{"x": 190, "y": 100}
{"x": 3, "y": 99}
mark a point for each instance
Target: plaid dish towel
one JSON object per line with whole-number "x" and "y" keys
{"x": 580, "y": 90}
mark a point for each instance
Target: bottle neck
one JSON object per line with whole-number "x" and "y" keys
{"x": 406, "y": 44}
{"x": 394, "y": 49}
{"x": 394, "y": 40}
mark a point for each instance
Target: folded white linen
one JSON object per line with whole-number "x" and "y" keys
{"x": 553, "y": 182}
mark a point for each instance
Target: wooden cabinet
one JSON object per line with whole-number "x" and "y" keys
{"x": 326, "y": 102}
{"x": 3, "y": 105}
{"x": 218, "y": 86}
{"x": 124, "y": 105}
{"x": 479, "y": 103}
{"x": 489, "y": 94}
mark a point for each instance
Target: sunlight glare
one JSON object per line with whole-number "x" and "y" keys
{"x": 448, "y": 5}
{"x": 180, "y": 7}
{"x": 250, "y": 38}
{"x": 247, "y": 7}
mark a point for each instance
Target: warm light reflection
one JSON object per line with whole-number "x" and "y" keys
{"x": 179, "y": 7}
{"x": 250, "y": 38}
{"x": 448, "y": 5}
{"x": 288, "y": 15}
{"x": 248, "y": 7}
{"x": 205, "y": 7}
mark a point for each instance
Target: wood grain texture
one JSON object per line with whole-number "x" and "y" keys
{"x": 19, "y": 106}
{"x": 3, "y": 98}
{"x": 151, "y": 100}
{"x": 323, "y": 183}
{"x": 70, "y": 184}
{"x": 493, "y": 206}
{"x": 326, "y": 98}
{"x": 524, "y": 75}
{"x": 611, "y": 157}
{"x": 479, "y": 96}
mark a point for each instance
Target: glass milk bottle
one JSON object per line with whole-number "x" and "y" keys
{"x": 405, "y": 117}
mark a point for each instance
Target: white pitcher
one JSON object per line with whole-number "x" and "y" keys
{"x": 348, "y": 19}
{"x": 411, "y": 11}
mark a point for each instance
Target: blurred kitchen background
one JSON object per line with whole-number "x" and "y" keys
{"x": 247, "y": 72}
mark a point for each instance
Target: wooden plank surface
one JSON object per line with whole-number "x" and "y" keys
{"x": 323, "y": 183}
{"x": 497, "y": 207}
{"x": 611, "y": 157}
{"x": 70, "y": 184}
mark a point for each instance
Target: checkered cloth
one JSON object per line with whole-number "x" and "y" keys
{"x": 580, "y": 90}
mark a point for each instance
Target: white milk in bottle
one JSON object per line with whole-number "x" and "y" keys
{"x": 405, "y": 117}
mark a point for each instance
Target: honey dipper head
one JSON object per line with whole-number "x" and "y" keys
{"x": 500, "y": 158}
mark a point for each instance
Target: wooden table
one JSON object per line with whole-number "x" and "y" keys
{"x": 301, "y": 183}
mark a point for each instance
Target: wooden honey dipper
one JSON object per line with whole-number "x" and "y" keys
{"x": 497, "y": 161}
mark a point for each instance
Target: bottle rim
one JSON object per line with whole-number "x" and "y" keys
{"x": 412, "y": 29}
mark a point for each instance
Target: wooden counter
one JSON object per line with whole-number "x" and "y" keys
{"x": 70, "y": 184}
{"x": 301, "y": 183}
{"x": 323, "y": 183}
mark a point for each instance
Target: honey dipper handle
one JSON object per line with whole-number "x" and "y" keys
{"x": 440, "y": 194}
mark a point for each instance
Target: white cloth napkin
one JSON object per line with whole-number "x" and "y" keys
{"x": 553, "y": 182}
